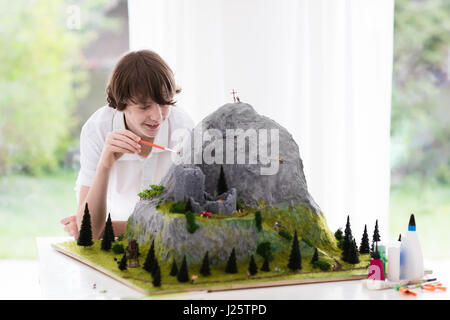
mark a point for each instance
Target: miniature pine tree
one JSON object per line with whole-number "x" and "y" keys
{"x": 156, "y": 274}
{"x": 85, "y": 235}
{"x": 353, "y": 256}
{"x": 375, "y": 254}
{"x": 222, "y": 184}
{"x": 315, "y": 257}
{"x": 252, "y": 268}
{"x": 183, "y": 275}
{"x": 347, "y": 242}
{"x": 265, "y": 266}
{"x": 123, "y": 262}
{"x": 150, "y": 259}
{"x": 108, "y": 234}
{"x": 174, "y": 269}
{"x": 231, "y": 264}
{"x": 376, "y": 234}
{"x": 258, "y": 220}
{"x": 295, "y": 258}
{"x": 205, "y": 269}
{"x": 364, "y": 247}
{"x": 188, "y": 206}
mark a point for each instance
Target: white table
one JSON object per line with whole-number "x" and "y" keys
{"x": 62, "y": 277}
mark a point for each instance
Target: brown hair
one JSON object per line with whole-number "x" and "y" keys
{"x": 138, "y": 76}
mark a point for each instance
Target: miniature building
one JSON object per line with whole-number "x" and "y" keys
{"x": 132, "y": 261}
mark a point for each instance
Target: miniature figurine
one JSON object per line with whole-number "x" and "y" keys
{"x": 276, "y": 226}
{"x": 193, "y": 278}
{"x": 234, "y": 95}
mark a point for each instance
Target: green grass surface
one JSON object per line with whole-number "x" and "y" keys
{"x": 430, "y": 203}
{"x": 140, "y": 277}
{"x": 32, "y": 207}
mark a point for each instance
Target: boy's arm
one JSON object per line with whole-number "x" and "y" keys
{"x": 96, "y": 199}
{"x": 119, "y": 227}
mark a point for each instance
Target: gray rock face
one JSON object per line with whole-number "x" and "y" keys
{"x": 173, "y": 241}
{"x": 287, "y": 185}
{"x": 184, "y": 182}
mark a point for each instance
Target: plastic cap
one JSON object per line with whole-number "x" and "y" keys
{"x": 412, "y": 223}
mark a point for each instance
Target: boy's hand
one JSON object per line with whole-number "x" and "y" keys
{"x": 116, "y": 144}
{"x": 70, "y": 226}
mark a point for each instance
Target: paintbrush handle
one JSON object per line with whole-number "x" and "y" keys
{"x": 151, "y": 144}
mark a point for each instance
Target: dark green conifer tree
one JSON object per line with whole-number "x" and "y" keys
{"x": 108, "y": 234}
{"x": 252, "y": 268}
{"x": 375, "y": 254}
{"x": 265, "y": 267}
{"x": 222, "y": 186}
{"x": 315, "y": 256}
{"x": 353, "y": 257}
{"x": 365, "y": 246}
{"x": 188, "y": 206}
{"x": 231, "y": 264}
{"x": 85, "y": 235}
{"x": 174, "y": 269}
{"x": 258, "y": 220}
{"x": 295, "y": 258}
{"x": 123, "y": 262}
{"x": 376, "y": 234}
{"x": 183, "y": 274}
{"x": 156, "y": 274}
{"x": 347, "y": 242}
{"x": 150, "y": 259}
{"x": 205, "y": 270}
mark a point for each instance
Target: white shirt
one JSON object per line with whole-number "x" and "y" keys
{"x": 131, "y": 173}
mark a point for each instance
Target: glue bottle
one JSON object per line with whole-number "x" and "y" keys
{"x": 411, "y": 258}
{"x": 393, "y": 262}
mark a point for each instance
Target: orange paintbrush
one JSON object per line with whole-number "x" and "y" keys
{"x": 156, "y": 146}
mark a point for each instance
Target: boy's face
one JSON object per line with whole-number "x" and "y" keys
{"x": 145, "y": 119}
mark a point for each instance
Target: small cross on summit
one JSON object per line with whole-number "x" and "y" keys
{"x": 235, "y": 97}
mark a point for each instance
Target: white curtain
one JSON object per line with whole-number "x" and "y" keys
{"x": 320, "y": 68}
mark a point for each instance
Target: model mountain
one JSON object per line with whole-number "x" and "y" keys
{"x": 268, "y": 178}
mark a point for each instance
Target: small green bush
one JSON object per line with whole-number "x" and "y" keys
{"x": 323, "y": 265}
{"x": 338, "y": 234}
{"x": 190, "y": 222}
{"x": 285, "y": 234}
{"x": 118, "y": 248}
{"x": 264, "y": 249}
{"x": 178, "y": 207}
{"x": 154, "y": 191}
